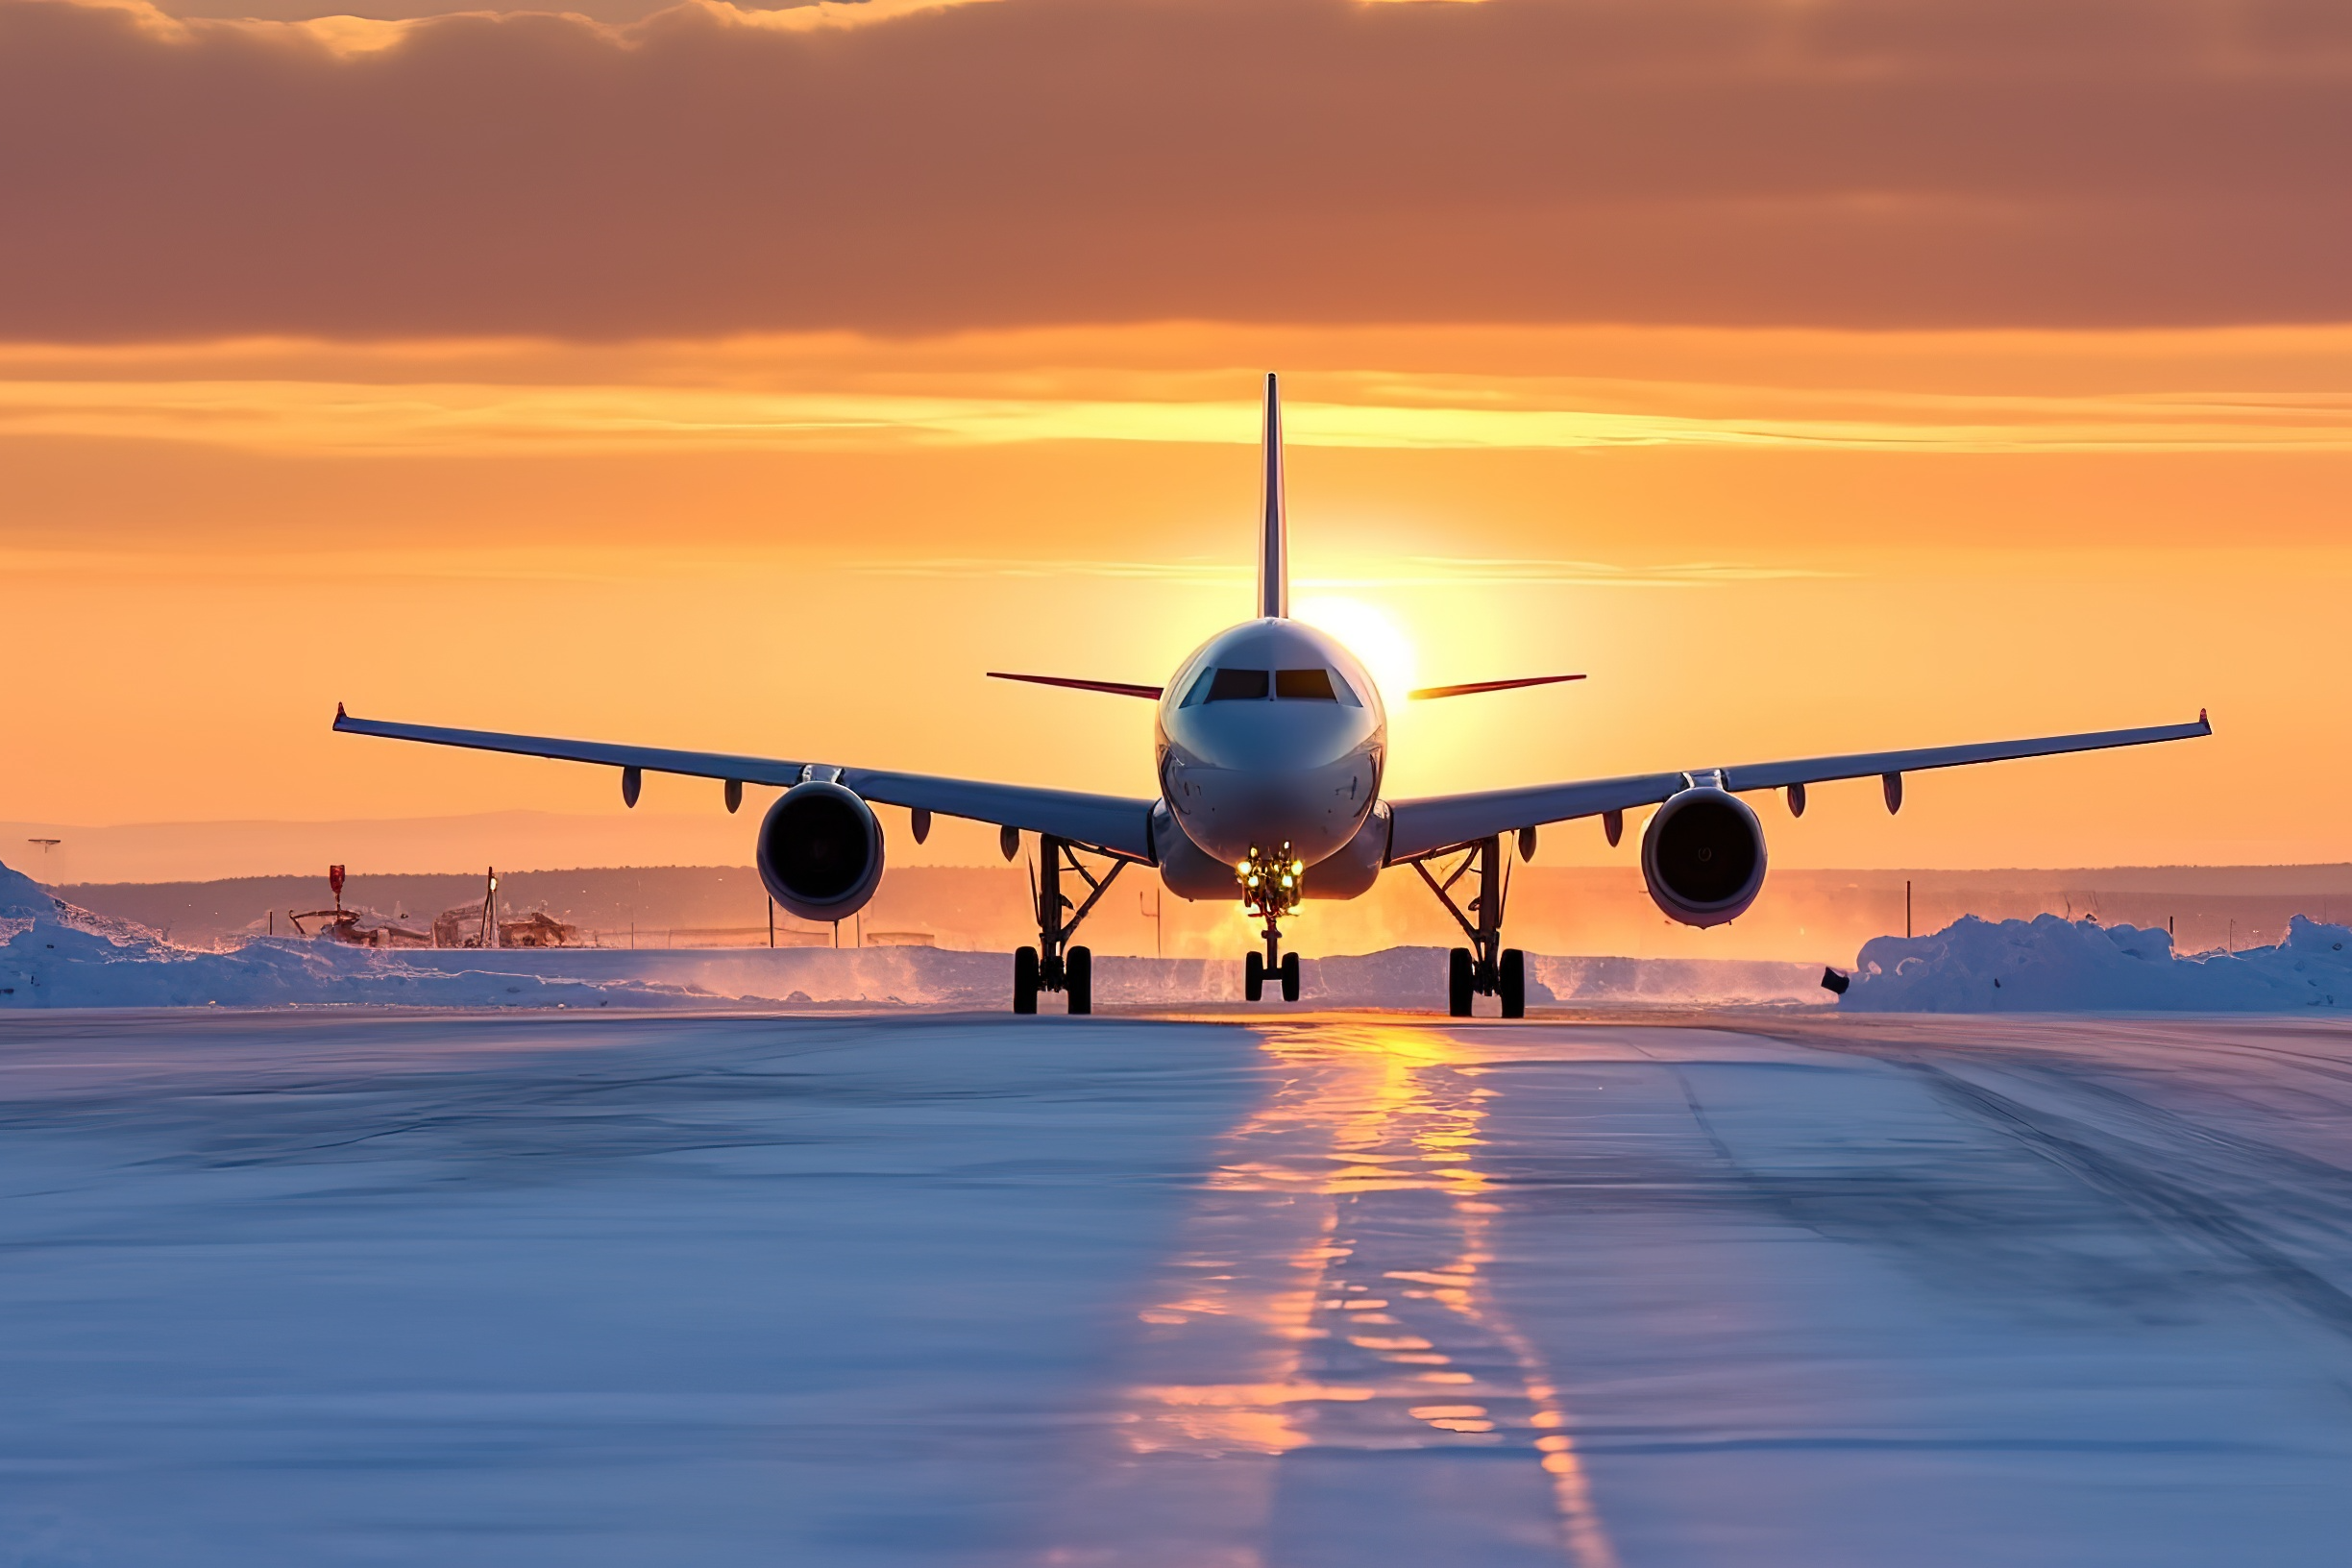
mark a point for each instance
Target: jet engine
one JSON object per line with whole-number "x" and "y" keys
{"x": 1702, "y": 856}
{"x": 821, "y": 851}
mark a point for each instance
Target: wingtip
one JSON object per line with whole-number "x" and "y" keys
{"x": 2203, "y": 720}
{"x": 339, "y": 713}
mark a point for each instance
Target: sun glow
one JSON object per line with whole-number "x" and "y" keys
{"x": 1370, "y": 635}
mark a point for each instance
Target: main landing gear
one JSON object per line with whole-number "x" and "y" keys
{"x": 1271, "y": 887}
{"x": 1486, "y": 968}
{"x": 1054, "y": 964}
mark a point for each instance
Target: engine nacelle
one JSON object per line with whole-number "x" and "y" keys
{"x": 821, "y": 851}
{"x": 1702, "y": 856}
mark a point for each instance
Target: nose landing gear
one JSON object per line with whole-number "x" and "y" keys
{"x": 1256, "y": 971}
{"x": 1054, "y": 964}
{"x": 1486, "y": 968}
{"x": 1271, "y": 887}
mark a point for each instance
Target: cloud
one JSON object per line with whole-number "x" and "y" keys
{"x": 900, "y": 168}
{"x": 484, "y": 398}
{"x": 1408, "y": 571}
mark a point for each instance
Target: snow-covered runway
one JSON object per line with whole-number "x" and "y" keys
{"x": 534, "y": 1289}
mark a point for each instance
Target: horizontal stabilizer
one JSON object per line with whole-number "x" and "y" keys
{"x": 1472, "y": 687}
{"x": 1116, "y": 688}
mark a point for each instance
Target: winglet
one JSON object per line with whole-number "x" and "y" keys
{"x": 339, "y": 714}
{"x": 1273, "y": 530}
{"x": 2202, "y": 719}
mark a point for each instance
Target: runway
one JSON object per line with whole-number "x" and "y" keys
{"x": 1757, "y": 1288}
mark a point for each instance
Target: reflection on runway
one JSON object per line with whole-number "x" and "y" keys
{"x": 1371, "y": 1326}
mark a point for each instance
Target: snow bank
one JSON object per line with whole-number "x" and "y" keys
{"x": 2048, "y": 965}
{"x": 56, "y": 955}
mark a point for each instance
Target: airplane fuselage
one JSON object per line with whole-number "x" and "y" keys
{"x": 1271, "y": 733}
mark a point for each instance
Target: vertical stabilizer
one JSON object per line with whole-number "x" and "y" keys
{"x": 1274, "y": 533}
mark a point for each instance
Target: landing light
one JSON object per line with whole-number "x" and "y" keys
{"x": 1271, "y": 884}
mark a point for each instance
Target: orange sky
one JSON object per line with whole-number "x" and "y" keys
{"x": 763, "y": 487}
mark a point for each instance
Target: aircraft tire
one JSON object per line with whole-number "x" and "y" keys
{"x": 1253, "y": 977}
{"x": 1079, "y": 979}
{"x": 1024, "y": 979}
{"x": 1513, "y": 980}
{"x": 1459, "y": 977}
{"x": 1291, "y": 978}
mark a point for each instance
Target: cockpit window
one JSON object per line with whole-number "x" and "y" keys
{"x": 1317, "y": 685}
{"x": 1304, "y": 686}
{"x": 1238, "y": 686}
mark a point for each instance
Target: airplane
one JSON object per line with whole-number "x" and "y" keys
{"x": 1271, "y": 746}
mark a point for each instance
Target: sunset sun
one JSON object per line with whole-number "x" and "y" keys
{"x": 1368, "y": 633}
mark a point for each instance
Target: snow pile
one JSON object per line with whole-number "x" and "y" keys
{"x": 55, "y": 955}
{"x": 2048, "y": 965}
{"x": 25, "y": 902}
{"x": 52, "y": 954}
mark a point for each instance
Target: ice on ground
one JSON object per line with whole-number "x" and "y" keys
{"x": 573, "y": 1291}
{"x": 601, "y": 1291}
{"x": 2048, "y": 965}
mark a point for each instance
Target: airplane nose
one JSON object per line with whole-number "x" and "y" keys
{"x": 1229, "y": 811}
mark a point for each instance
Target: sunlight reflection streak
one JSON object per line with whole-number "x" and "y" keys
{"x": 1363, "y": 1113}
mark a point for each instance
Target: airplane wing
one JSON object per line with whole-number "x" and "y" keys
{"x": 1103, "y": 822}
{"x": 1116, "y": 688}
{"x": 1423, "y": 826}
{"x": 1472, "y": 688}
